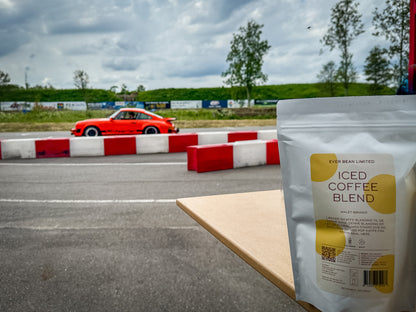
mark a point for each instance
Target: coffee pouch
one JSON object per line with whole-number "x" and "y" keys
{"x": 349, "y": 180}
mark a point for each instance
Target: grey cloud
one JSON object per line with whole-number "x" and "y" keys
{"x": 77, "y": 26}
{"x": 120, "y": 64}
{"x": 11, "y": 40}
{"x": 198, "y": 67}
{"x": 217, "y": 11}
{"x": 175, "y": 41}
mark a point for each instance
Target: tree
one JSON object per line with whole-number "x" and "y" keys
{"x": 140, "y": 88}
{"x": 124, "y": 89}
{"x": 345, "y": 26}
{"x": 4, "y": 78}
{"x": 393, "y": 24}
{"x": 246, "y": 58}
{"x": 377, "y": 69}
{"x": 81, "y": 79}
{"x": 328, "y": 76}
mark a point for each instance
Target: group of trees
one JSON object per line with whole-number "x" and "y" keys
{"x": 248, "y": 49}
{"x": 382, "y": 65}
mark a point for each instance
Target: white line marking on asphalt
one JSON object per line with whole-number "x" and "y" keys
{"x": 97, "y": 164}
{"x": 87, "y": 201}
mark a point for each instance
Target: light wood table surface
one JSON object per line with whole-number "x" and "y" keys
{"x": 253, "y": 225}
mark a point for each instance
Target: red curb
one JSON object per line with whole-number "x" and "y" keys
{"x": 179, "y": 142}
{"x": 242, "y": 136}
{"x": 120, "y": 145}
{"x": 211, "y": 157}
{"x": 272, "y": 153}
{"x": 191, "y": 156}
{"x": 49, "y": 148}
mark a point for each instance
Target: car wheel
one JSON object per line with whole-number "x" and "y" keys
{"x": 151, "y": 130}
{"x": 91, "y": 131}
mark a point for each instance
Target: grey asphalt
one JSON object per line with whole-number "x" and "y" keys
{"x": 105, "y": 234}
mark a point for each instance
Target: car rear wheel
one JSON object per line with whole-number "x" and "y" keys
{"x": 151, "y": 130}
{"x": 91, "y": 131}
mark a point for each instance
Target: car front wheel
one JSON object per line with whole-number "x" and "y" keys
{"x": 151, "y": 130}
{"x": 91, "y": 131}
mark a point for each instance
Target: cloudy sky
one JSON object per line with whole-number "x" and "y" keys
{"x": 164, "y": 43}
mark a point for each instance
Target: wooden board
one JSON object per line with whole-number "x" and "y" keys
{"x": 253, "y": 225}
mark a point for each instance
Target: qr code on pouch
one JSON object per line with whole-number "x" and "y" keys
{"x": 328, "y": 253}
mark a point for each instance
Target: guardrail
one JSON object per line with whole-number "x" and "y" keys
{"x": 232, "y": 155}
{"x": 122, "y": 145}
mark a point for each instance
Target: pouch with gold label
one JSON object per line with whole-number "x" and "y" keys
{"x": 349, "y": 180}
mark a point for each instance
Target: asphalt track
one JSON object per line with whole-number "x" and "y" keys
{"x": 105, "y": 234}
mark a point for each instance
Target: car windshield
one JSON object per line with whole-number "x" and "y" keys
{"x": 113, "y": 115}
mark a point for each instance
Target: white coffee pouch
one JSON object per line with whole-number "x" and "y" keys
{"x": 349, "y": 180}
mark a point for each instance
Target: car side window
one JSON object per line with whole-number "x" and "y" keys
{"x": 126, "y": 116}
{"x": 143, "y": 116}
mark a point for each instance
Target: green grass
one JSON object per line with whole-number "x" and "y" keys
{"x": 58, "y": 116}
{"x": 45, "y": 116}
{"x": 285, "y": 91}
{"x": 53, "y": 120}
{"x": 220, "y": 114}
{"x": 267, "y": 92}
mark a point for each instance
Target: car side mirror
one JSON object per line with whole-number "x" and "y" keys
{"x": 111, "y": 119}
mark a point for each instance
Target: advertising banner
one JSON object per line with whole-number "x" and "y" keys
{"x": 237, "y": 103}
{"x": 47, "y": 105}
{"x": 75, "y": 106}
{"x": 215, "y": 104}
{"x": 97, "y": 106}
{"x": 185, "y": 104}
{"x": 156, "y": 105}
{"x": 16, "y": 106}
{"x": 119, "y": 104}
{"x": 266, "y": 102}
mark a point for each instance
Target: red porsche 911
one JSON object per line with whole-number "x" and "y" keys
{"x": 125, "y": 121}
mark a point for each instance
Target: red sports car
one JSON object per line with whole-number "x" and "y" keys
{"x": 125, "y": 121}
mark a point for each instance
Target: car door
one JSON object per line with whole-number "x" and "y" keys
{"x": 124, "y": 123}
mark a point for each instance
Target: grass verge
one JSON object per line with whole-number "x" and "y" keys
{"x": 52, "y": 120}
{"x": 181, "y": 124}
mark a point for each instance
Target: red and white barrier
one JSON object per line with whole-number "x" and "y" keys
{"x": 232, "y": 155}
{"x": 152, "y": 144}
{"x": 24, "y": 148}
{"x": 122, "y": 145}
{"x": 87, "y": 147}
{"x": 48, "y": 148}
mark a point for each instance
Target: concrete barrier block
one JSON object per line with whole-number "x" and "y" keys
{"x": 22, "y": 148}
{"x": 204, "y": 158}
{"x": 191, "y": 157}
{"x": 273, "y": 156}
{"x": 179, "y": 142}
{"x": 152, "y": 144}
{"x": 242, "y": 136}
{"x": 87, "y": 146}
{"x": 121, "y": 145}
{"x": 48, "y": 148}
{"x": 249, "y": 153}
{"x": 206, "y": 138}
{"x": 267, "y": 135}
